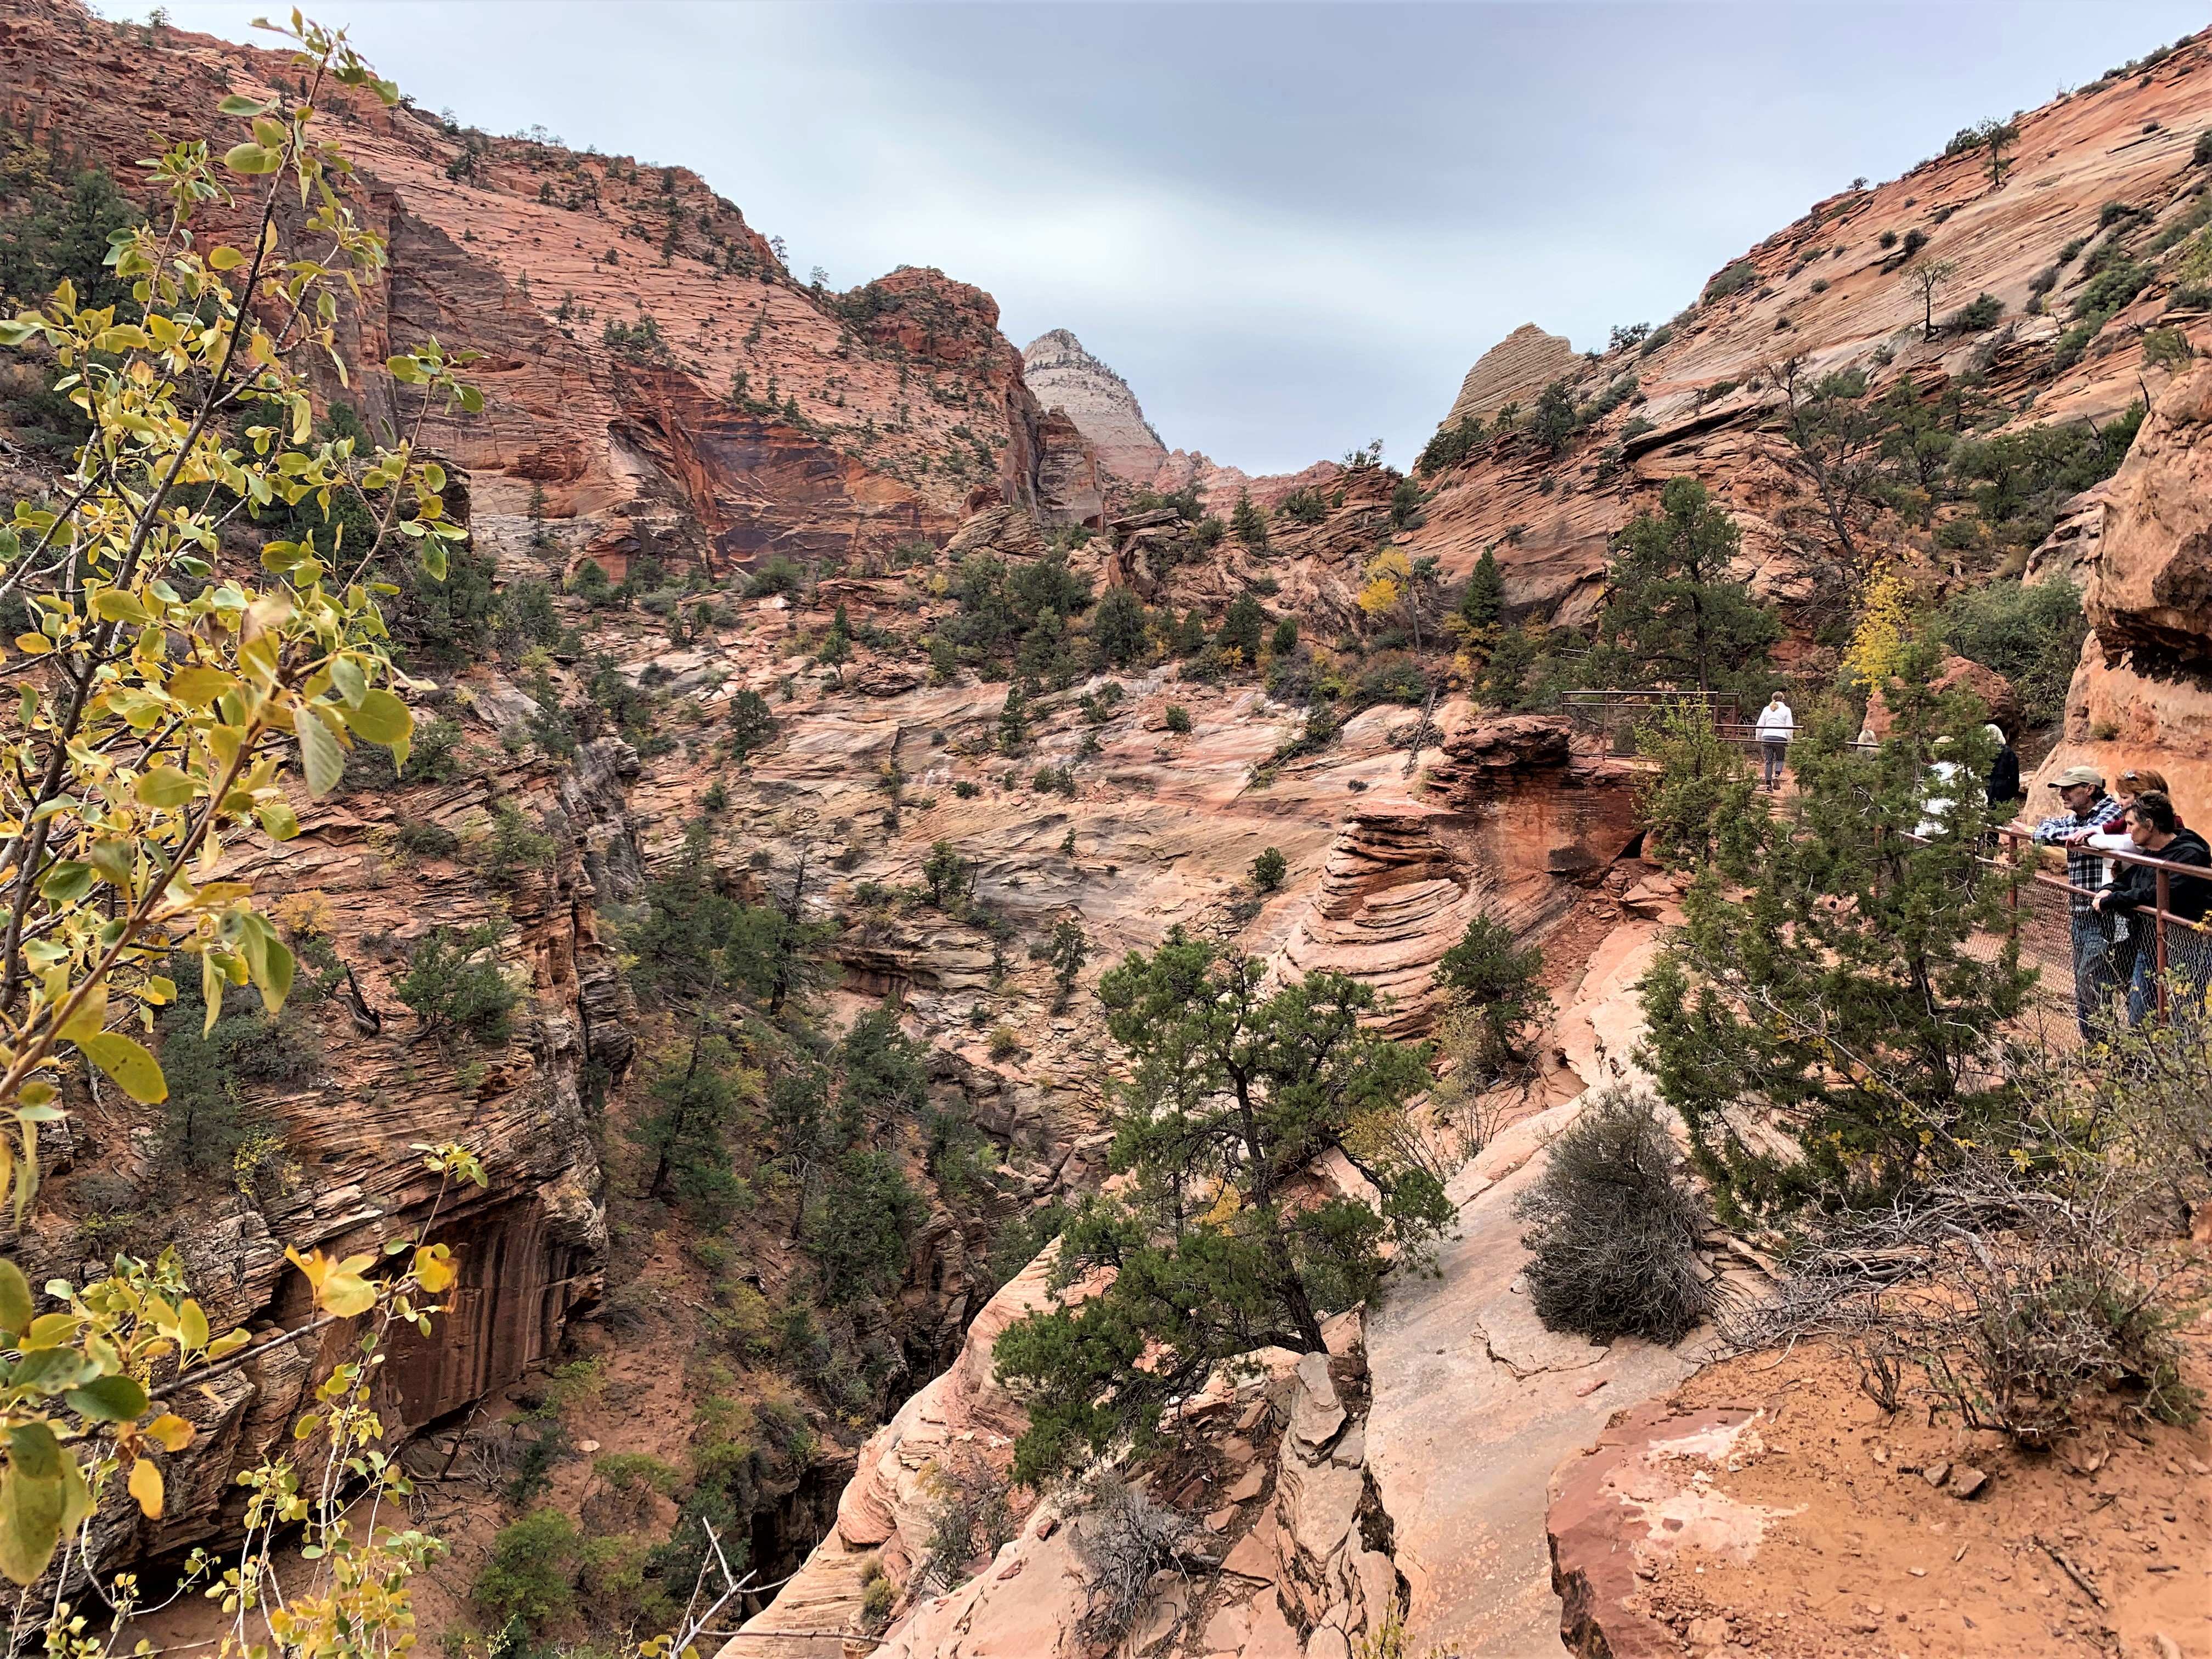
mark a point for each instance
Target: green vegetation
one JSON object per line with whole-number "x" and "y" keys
{"x": 456, "y": 987}
{"x": 1018, "y": 616}
{"x": 1249, "y": 523}
{"x": 208, "y": 1119}
{"x": 1496, "y": 979}
{"x": 2031, "y": 634}
{"x": 1269, "y": 869}
{"x": 1178, "y": 719}
{"x": 531, "y": 1574}
{"x": 1860, "y": 1027}
{"x": 1674, "y": 616}
{"x": 1733, "y": 279}
{"x": 1232, "y": 1089}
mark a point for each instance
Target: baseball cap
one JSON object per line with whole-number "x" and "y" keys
{"x": 2079, "y": 774}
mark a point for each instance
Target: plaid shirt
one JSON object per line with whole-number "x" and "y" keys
{"x": 2084, "y": 868}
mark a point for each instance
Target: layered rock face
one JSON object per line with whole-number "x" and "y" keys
{"x": 1064, "y": 376}
{"x": 2144, "y": 690}
{"x": 648, "y": 360}
{"x": 1830, "y": 293}
{"x": 1513, "y": 371}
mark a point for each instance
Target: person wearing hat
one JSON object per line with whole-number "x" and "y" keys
{"x": 2088, "y": 809}
{"x": 2004, "y": 769}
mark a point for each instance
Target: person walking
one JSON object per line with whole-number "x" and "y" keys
{"x": 2155, "y": 829}
{"x": 2088, "y": 809}
{"x": 1775, "y": 727}
{"x": 2004, "y": 769}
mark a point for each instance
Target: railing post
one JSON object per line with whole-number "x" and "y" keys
{"x": 2158, "y": 936}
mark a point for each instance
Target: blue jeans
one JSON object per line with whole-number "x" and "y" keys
{"x": 1775, "y": 752}
{"x": 2094, "y": 976}
{"x": 2186, "y": 954}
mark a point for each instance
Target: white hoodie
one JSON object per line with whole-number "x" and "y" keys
{"x": 1776, "y": 723}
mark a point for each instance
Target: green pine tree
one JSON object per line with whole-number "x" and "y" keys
{"x": 1676, "y": 617}
{"x": 1835, "y": 983}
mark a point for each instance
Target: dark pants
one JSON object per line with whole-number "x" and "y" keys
{"x": 1775, "y": 752}
{"x": 2095, "y": 961}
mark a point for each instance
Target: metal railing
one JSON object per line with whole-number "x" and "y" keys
{"x": 1614, "y": 717}
{"x": 2179, "y": 945}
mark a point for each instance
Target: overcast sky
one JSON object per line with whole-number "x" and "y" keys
{"x": 1291, "y": 228}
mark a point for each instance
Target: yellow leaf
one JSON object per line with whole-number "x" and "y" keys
{"x": 170, "y": 1431}
{"x": 146, "y": 1487}
{"x": 434, "y": 1267}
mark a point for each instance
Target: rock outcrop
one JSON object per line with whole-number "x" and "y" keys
{"x": 1066, "y": 377}
{"x": 1513, "y": 371}
{"x": 2142, "y": 690}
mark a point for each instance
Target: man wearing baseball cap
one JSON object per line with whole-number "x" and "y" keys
{"x": 2088, "y": 809}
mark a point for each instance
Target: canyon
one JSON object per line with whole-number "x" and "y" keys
{"x": 789, "y": 491}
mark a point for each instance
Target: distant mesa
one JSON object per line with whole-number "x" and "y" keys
{"x": 1065, "y": 376}
{"x": 1513, "y": 371}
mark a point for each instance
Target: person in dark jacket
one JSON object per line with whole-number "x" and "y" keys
{"x": 2004, "y": 771}
{"x": 2155, "y": 829}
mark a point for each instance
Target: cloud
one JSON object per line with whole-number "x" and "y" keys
{"x": 1291, "y": 228}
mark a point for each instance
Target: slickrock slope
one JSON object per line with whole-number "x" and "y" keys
{"x": 1513, "y": 371}
{"x": 1833, "y": 292}
{"x": 1475, "y": 1399}
{"x": 1066, "y": 377}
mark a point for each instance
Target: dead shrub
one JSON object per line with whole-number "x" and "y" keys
{"x": 1124, "y": 1537}
{"x": 1614, "y": 1227}
{"x": 2022, "y": 1304}
{"x": 968, "y": 1516}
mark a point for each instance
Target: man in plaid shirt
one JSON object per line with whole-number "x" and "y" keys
{"x": 2088, "y": 809}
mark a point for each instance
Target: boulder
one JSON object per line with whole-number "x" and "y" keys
{"x": 1957, "y": 674}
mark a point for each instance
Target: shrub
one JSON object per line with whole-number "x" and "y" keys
{"x": 1053, "y": 781}
{"x": 1269, "y": 869}
{"x": 524, "y": 616}
{"x": 1126, "y": 1539}
{"x": 1006, "y": 1043}
{"x": 2031, "y": 634}
{"x": 1981, "y": 312}
{"x": 1732, "y": 279}
{"x": 968, "y": 1515}
{"x": 1486, "y": 970}
{"x": 531, "y": 1573}
{"x": 1615, "y": 1230}
{"x": 1391, "y": 679}
{"x": 1303, "y": 506}
{"x": 1178, "y": 718}
{"x": 207, "y": 1118}
{"x": 425, "y": 839}
{"x": 1886, "y": 240}
{"x": 453, "y": 983}
{"x": 776, "y": 573}
{"x": 515, "y": 846}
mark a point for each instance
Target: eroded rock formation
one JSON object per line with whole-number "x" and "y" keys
{"x": 1513, "y": 371}
{"x": 1066, "y": 377}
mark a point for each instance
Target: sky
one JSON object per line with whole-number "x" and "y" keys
{"x": 1291, "y": 228}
